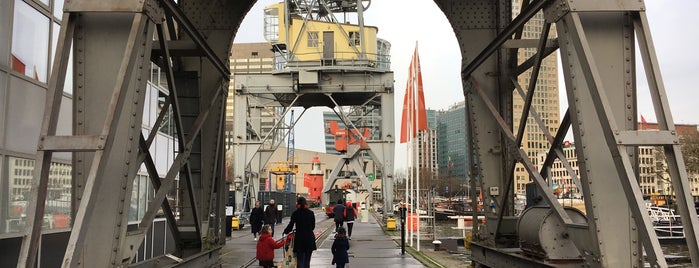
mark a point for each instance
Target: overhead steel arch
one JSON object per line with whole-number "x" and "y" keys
{"x": 113, "y": 40}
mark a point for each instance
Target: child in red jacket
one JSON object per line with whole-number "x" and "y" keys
{"x": 266, "y": 246}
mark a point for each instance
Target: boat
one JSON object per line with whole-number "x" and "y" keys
{"x": 445, "y": 208}
{"x": 667, "y": 225}
{"x": 443, "y": 214}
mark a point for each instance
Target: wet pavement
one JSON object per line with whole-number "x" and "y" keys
{"x": 369, "y": 246}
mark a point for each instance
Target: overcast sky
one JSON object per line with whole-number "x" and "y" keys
{"x": 673, "y": 28}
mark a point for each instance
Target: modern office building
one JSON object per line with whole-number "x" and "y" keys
{"x": 545, "y": 100}
{"x": 451, "y": 142}
{"x": 427, "y": 147}
{"x": 249, "y": 58}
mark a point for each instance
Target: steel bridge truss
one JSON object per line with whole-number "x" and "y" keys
{"x": 596, "y": 41}
{"x": 113, "y": 42}
{"x": 255, "y": 93}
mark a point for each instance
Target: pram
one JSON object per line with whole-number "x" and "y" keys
{"x": 289, "y": 255}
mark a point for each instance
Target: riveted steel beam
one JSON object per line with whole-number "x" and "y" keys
{"x": 503, "y": 36}
{"x": 93, "y": 246}
{"x": 194, "y": 33}
{"x": 673, "y": 155}
{"x": 71, "y": 143}
{"x": 35, "y": 208}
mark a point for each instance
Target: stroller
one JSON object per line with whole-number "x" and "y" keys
{"x": 289, "y": 255}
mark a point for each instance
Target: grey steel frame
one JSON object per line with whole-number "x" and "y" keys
{"x": 108, "y": 147}
{"x": 602, "y": 109}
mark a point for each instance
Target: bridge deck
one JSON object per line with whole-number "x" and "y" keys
{"x": 369, "y": 247}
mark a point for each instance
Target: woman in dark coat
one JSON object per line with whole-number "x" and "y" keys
{"x": 257, "y": 217}
{"x": 304, "y": 241}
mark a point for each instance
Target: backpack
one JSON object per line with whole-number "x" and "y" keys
{"x": 349, "y": 213}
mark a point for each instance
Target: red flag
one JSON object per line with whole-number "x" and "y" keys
{"x": 643, "y": 120}
{"x": 414, "y": 116}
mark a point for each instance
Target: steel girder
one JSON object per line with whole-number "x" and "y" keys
{"x": 475, "y": 24}
{"x": 597, "y": 48}
{"x": 108, "y": 166}
{"x": 112, "y": 42}
{"x": 256, "y": 93}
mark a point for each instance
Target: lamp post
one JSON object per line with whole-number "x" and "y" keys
{"x": 238, "y": 184}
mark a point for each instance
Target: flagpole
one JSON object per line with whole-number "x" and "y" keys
{"x": 417, "y": 140}
{"x": 410, "y": 158}
{"x": 410, "y": 179}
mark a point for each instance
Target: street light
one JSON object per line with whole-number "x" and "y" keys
{"x": 238, "y": 182}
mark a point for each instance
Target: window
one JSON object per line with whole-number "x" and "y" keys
{"x": 354, "y": 38}
{"x": 68, "y": 86}
{"x": 30, "y": 42}
{"x": 58, "y": 8}
{"x": 168, "y": 125}
{"x": 312, "y": 39}
{"x": 141, "y": 193}
{"x": 271, "y": 25}
{"x": 58, "y": 196}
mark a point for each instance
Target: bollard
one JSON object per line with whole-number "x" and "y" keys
{"x": 391, "y": 224}
{"x": 235, "y": 223}
{"x": 437, "y": 244}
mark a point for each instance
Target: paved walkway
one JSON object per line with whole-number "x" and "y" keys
{"x": 369, "y": 247}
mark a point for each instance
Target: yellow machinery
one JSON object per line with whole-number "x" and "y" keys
{"x": 322, "y": 39}
{"x": 280, "y": 172}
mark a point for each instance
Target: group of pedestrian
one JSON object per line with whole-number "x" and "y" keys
{"x": 258, "y": 217}
{"x": 302, "y": 223}
{"x": 345, "y": 214}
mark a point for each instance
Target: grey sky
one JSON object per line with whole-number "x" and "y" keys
{"x": 403, "y": 23}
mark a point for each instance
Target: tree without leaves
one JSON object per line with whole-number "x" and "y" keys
{"x": 690, "y": 152}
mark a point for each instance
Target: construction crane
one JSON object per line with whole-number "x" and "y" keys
{"x": 290, "y": 156}
{"x": 284, "y": 172}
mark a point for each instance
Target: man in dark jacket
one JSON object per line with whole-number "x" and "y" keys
{"x": 339, "y": 211}
{"x": 271, "y": 215}
{"x": 257, "y": 218}
{"x": 304, "y": 240}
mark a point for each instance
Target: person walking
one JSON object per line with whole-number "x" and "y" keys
{"x": 257, "y": 218}
{"x": 339, "y": 249}
{"x": 350, "y": 214}
{"x": 339, "y": 212}
{"x": 271, "y": 215}
{"x": 266, "y": 246}
{"x": 304, "y": 239}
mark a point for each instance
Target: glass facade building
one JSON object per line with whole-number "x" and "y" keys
{"x": 451, "y": 142}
